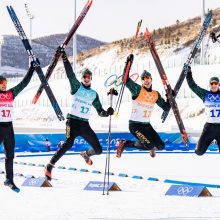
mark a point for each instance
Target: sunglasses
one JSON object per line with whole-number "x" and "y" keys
{"x": 146, "y": 77}
{"x": 87, "y": 77}
{"x": 3, "y": 82}
{"x": 214, "y": 83}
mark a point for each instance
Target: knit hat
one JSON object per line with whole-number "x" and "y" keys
{"x": 145, "y": 73}
{"x": 86, "y": 71}
{"x": 2, "y": 78}
{"x": 214, "y": 79}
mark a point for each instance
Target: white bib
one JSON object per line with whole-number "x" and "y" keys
{"x": 143, "y": 105}
{"x": 82, "y": 102}
{"x": 212, "y": 107}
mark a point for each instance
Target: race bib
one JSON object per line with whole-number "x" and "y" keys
{"x": 6, "y": 106}
{"x": 212, "y": 107}
{"x": 82, "y": 102}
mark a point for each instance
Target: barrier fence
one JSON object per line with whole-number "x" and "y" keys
{"x": 37, "y": 142}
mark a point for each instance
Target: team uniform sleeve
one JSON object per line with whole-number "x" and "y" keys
{"x": 74, "y": 83}
{"x": 133, "y": 87}
{"x": 165, "y": 105}
{"x": 194, "y": 87}
{"x": 18, "y": 88}
{"x": 98, "y": 106}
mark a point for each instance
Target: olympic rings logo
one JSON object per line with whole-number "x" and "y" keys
{"x": 184, "y": 190}
{"x": 86, "y": 95}
{"x": 150, "y": 97}
{"x": 213, "y": 98}
{"x": 117, "y": 80}
{"x": 5, "y": 96}
{"x": 33, "y": 182}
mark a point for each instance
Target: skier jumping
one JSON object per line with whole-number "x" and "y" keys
{"x": 6, "y": 127}
{"x": 143, "y": 101}
{"x": 83, "y": 98}
{"x": 211, "y": 99}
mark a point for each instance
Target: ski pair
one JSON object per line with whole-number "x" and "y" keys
{"x": 37, "y": 66}
{"x": 190, "y": 58}
{"x": 166, "y": 84}
{"x": 167, "y": 87}
{"x": 57, "y": 55}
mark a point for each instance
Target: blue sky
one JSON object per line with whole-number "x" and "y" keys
{"x": 107, "y": 20}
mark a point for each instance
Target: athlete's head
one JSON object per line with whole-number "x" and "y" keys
{"x": 146, "y": 79}
{"x": 86, "y": 77}
{"x": 214, "y": 84}
{"x": 3, "y": 83}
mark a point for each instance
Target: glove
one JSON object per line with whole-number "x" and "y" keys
{"x": 103, "y": 113}
{"x": 110, "y": 111}
{"x": 187, "y": 68}
{"x": 63, "y": 53}
{"x": 173, "y": 94}
{"x": 214, "y": 38}
{"x": 113, "y": 92}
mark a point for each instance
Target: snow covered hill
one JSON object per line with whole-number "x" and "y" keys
{"x": 110, "y": 59}
{"x": 13, "y": 52}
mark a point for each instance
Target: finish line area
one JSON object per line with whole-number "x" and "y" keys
{"x": 144, "y": 198}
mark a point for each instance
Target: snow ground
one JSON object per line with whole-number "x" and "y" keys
{"x": 139, "y": 199}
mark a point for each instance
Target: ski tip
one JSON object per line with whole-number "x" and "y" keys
{"x": 164, "y": 116}
{"x": 139, "y": 23}
{"x": 34, "y": 101}
{"x": 61, "y": 118}
{"x": 147, "y": 31}
{"x": 89, "y": 3}
{"x": 210, "y": 12}
{"x": 131, "y": 56}
{"x": 8, "y": 8}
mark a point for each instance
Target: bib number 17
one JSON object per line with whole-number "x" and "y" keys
{"x": 84, "y": 110}
{"x": 215, "y": 113}
{"x": 6, "y": 113}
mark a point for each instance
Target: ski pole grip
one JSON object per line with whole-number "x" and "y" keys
{"x": 113, "y": 92}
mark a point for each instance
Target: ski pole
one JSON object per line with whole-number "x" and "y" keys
{"x": 111, "y": 92}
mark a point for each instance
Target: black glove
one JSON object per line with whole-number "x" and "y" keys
{"x": 173, "y": 94}
{"x": 187, "y": 68}
{"x": 214, "y": 38}
{"x": 110, "y": 111}
{"x": 63, "y": 53}
{"x": 113, "y": 92}
{"x": 103, "y": 113}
